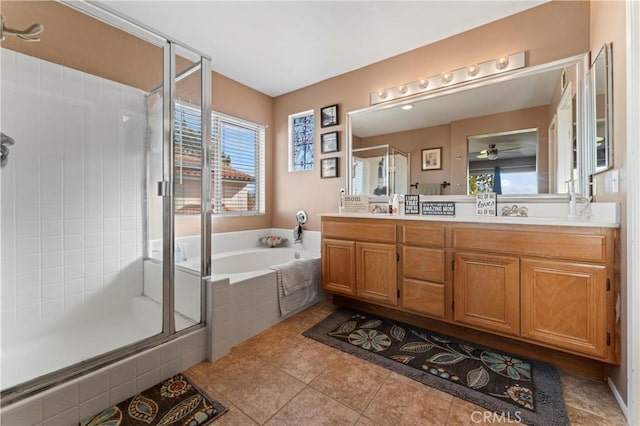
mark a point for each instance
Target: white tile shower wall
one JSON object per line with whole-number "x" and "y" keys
{"x": 78, "y": 399}
{"x": 72, "y": 190}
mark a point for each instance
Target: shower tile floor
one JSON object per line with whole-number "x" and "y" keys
{"x": 280, "y": 377}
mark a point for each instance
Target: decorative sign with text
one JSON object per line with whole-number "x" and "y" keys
{"x": 411, "y": 204}
{"x": 356, "y": 204}
{"x": 438, "y": 208}
{"x": 486, "y": 204}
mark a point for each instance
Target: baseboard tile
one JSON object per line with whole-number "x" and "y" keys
{"x": 618, "y": 397}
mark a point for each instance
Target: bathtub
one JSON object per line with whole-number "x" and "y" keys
{"x": 243, "y": 300}
{"x": 242, "y": 294}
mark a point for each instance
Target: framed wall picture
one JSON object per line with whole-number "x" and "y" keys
{"x": 329, "y": 116}
{"x": 329, "y": 142}
{"x": 329, "y": 167}
{"x": 432, "y": 159}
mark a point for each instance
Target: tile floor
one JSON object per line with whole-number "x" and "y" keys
{"x": 280, "y": 377}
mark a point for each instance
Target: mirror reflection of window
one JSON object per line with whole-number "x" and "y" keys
{"x": 601, "y": 70}
{"x": 504, "y": 163}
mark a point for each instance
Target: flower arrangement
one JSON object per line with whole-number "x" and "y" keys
{"x": 272, "y": 241}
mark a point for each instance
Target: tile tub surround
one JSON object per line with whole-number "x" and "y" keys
{"x": 78, "y": 399}
{"x": 281, "y": 377}
{"x": 239, "y": 240}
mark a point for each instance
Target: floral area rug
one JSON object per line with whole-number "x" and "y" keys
{"x": 517, "y": 389}
{"x": 176, "y": 401}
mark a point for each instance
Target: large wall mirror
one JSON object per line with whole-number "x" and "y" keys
{"x": 601, "y": 143}
{"x": 521, "y": 129}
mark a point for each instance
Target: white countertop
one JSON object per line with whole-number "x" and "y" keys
{"x": 543, "y": 221}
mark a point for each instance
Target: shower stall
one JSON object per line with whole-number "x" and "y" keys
{"x": 87, "y": 178}
{"x": 380, "y": 170}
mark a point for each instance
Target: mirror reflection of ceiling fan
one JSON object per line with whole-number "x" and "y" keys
{"x": 492, "y": 152}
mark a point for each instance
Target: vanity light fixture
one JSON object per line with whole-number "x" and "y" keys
{"x": 407, "y": 107}
{"x": 450, "y": 78}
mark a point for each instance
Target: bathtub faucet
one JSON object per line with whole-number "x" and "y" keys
{"x": 301, "y": 218}
{"x": 297, "y": 234}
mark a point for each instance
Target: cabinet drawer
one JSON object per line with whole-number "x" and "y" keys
{"x": 545, "y": 244}
{"x": 423, "y": 235}
{"x": 361, "y": 231}
{"x": 423, "y": 264}
{"x": 423, "y": 297}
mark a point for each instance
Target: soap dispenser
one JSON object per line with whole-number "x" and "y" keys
{"x": 573, "y": 212}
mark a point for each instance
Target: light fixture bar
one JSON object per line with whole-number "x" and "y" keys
{"x": 450, "y": 78}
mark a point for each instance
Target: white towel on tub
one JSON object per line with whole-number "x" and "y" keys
{"x": 296, "y": 274}
{"x": 304, "y": 295}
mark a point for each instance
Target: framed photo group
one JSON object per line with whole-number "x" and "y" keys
{"x": 329, "y": 142}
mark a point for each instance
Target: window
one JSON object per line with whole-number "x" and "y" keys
{"x": 237, "y": 163}
{"x": 301, "y": 141}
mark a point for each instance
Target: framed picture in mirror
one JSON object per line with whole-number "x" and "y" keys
{"x": 329, "y": 116}
{"x": 329, "y": 142}
{"x": 432, "y": 159}
{"x": 329, "y": 167}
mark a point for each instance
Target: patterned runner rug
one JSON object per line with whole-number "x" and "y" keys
{"x": 175, "y": 401}
{"x": 518, "y": 389}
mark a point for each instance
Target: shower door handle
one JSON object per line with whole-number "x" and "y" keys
{"x": 163, "y": 188}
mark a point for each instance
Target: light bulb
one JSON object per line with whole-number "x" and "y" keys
{"x": 423, "y": 83}
{"x": 502, "y": 62}
{"x": 447, "y": 77}
{"x": 382, "y": 93}
{"x": 402, "y": 89}
{"x": 473, "y": 69}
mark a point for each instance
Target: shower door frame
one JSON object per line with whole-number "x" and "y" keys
{"x": 115, "y": 19}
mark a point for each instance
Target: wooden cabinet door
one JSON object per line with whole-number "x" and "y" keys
{"x": 377, "y": 272}
{"x": 487, "y": 292}
{"x": 339, "y": 266}
{"x": 564, "y": 305}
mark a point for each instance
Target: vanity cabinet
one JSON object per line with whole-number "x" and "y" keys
{"x": 551, "y": 286}
{"x": 360, "y": 260}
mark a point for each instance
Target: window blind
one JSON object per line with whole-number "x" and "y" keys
{"x": 237, "y": 163}
{"x": 187, "y": 159}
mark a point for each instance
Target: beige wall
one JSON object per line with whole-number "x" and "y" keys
{"x": 77, "y": 41}
{"x": 551, "y": 31}
{"x": 608, "y": 26}
{"x": 452, "y": 138}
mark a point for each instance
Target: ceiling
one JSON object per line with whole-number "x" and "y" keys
{"x": 277, "y": 47}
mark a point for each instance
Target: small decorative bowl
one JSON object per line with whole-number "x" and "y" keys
{"x": 272, "y": 241}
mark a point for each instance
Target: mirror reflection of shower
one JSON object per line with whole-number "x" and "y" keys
{"x": 26, "y": 35}
{"x": 5, "y": 143}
